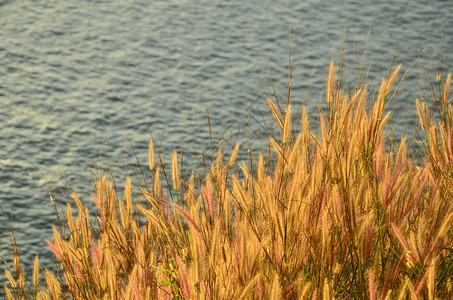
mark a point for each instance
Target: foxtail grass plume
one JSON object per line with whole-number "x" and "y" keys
{"x": 151, "y": 154}
{"x": 337, "y": 212}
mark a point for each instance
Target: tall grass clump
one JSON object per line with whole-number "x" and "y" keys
{"x": 333, "y": 213}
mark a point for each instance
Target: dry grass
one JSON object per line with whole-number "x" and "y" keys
{"x": 334, "y": 215}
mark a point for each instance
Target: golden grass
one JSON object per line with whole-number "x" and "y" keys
{"x": 334, "y": 216}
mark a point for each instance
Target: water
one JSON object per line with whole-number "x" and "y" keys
{"x": 77, "y": 78}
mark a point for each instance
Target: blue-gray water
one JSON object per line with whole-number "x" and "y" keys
{"x": 76, "y": 77}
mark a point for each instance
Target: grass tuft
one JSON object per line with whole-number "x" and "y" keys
{"x": 334, "y": 215}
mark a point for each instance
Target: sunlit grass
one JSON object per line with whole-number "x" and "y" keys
{"x": 322, "y": 216}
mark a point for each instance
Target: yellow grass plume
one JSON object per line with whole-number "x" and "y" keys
{"x": 333, "y": 215}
